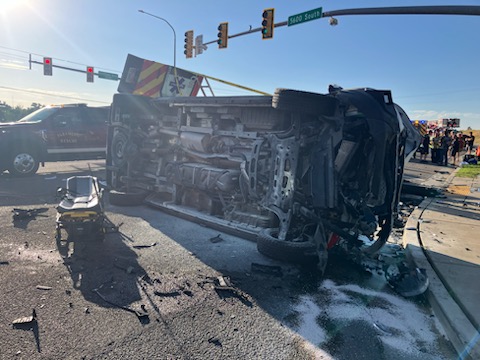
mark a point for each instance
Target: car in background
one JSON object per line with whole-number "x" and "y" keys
{"x": 56, "y": 132}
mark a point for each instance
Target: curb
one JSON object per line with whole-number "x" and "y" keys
{"x": 459, "y": 330}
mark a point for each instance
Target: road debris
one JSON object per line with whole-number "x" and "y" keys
{"x": 223, "y": 281}
{"x": 381, "y": 329}
{"x": 144, "y": 246}
{"x": 267, "y": 269}
{"x": 23, "y": 214}
{"x": 26, "y": 320}
{"x": 4, "y": 263}
{"x": 215, "y": 341}
{"x": 407, "y": 282}
{"x": 167, "y": 293}
{"x": 216, "y": 239}
{"x": 141, "y": 315}
{"x": 43, "y": 287}
{"x": 225, "y": 289}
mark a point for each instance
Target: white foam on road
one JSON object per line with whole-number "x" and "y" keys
{"x": 399, "y": 323}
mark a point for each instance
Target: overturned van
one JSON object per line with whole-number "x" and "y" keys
{"x": 299, "y": 172}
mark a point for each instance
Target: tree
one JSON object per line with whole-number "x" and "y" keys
{"x": 8, "y": 113}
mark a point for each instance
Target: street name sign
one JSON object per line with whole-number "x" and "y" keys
{"x": 106, "y": 75}
{"x": 305, "y": 16}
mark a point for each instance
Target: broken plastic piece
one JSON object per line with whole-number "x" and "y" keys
{"x": 26, "y": 320}
{"x": 407, "y": 282}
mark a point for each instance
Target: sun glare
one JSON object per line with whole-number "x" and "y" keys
{"x": 6, "y": 6}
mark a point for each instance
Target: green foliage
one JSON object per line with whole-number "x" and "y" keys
{"x": 469, "y": 171}
{"x": 9, "y": 113}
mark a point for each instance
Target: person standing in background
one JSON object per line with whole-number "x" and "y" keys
{"x": 425, "y": 146}
{"x": 455, "y": 148}
{"x": 436, "y": 147}
{"x": 470, "y": 141}
{"x": 444, "y": 146}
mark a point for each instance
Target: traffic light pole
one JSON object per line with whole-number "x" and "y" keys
{"x": 174, "y": 46}
{"x": 400, "y": 10}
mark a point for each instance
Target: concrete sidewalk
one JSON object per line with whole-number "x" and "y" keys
{"x": 443, "y": 236}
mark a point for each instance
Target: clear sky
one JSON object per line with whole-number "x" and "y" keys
{"x": 430, "y": 62}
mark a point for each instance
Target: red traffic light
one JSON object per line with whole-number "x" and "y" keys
{"x": 90, "y": 74}
{"x": 47, "y": 66}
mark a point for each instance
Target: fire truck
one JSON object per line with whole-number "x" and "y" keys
{"x": 423, "y": 126}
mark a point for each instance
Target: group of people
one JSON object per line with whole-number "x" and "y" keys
{"x": 445, "y": 145}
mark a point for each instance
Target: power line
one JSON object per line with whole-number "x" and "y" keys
{"x": 67, "y": 61}
{"x": 53, "y": 95}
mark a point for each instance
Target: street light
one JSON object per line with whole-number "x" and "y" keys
{"x": 174, "y": 45}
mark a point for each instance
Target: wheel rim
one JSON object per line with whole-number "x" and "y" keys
{"x": 23, "y": 163}
{"x": 119, "y": 144}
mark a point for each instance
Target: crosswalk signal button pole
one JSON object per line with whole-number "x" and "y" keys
{"x": 267, "y": 24}
{"x": 47, "y": 66}
{"x": 222, "y": 35}
{"x": 90, "y": 74}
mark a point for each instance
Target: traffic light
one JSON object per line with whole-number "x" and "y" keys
{"x": 188, "y": 44}
{"x": 47, "y": 66}
{"x": 90, "y": 73}
{"x": 267, "y": 24}
{"x": 222, "y": 35}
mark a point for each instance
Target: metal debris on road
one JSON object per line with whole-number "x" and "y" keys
{"x": 4, "y": 263}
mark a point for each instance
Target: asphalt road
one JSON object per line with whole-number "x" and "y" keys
{"x": 166, "y": 288}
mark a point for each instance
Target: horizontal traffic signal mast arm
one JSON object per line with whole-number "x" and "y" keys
{"x": 409, "y": 10}
{"x": 399, "y": 10}
{"x": 61, "y": 67}
{"x": 100, "y": 74}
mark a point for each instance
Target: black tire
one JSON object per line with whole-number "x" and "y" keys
{"x": 23, "y": 162}
{"x": 119, "y": 147}
{"x": 290, "y": 251}
{"x": 306, "y": 102}
{"x": 131, "y": 198}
